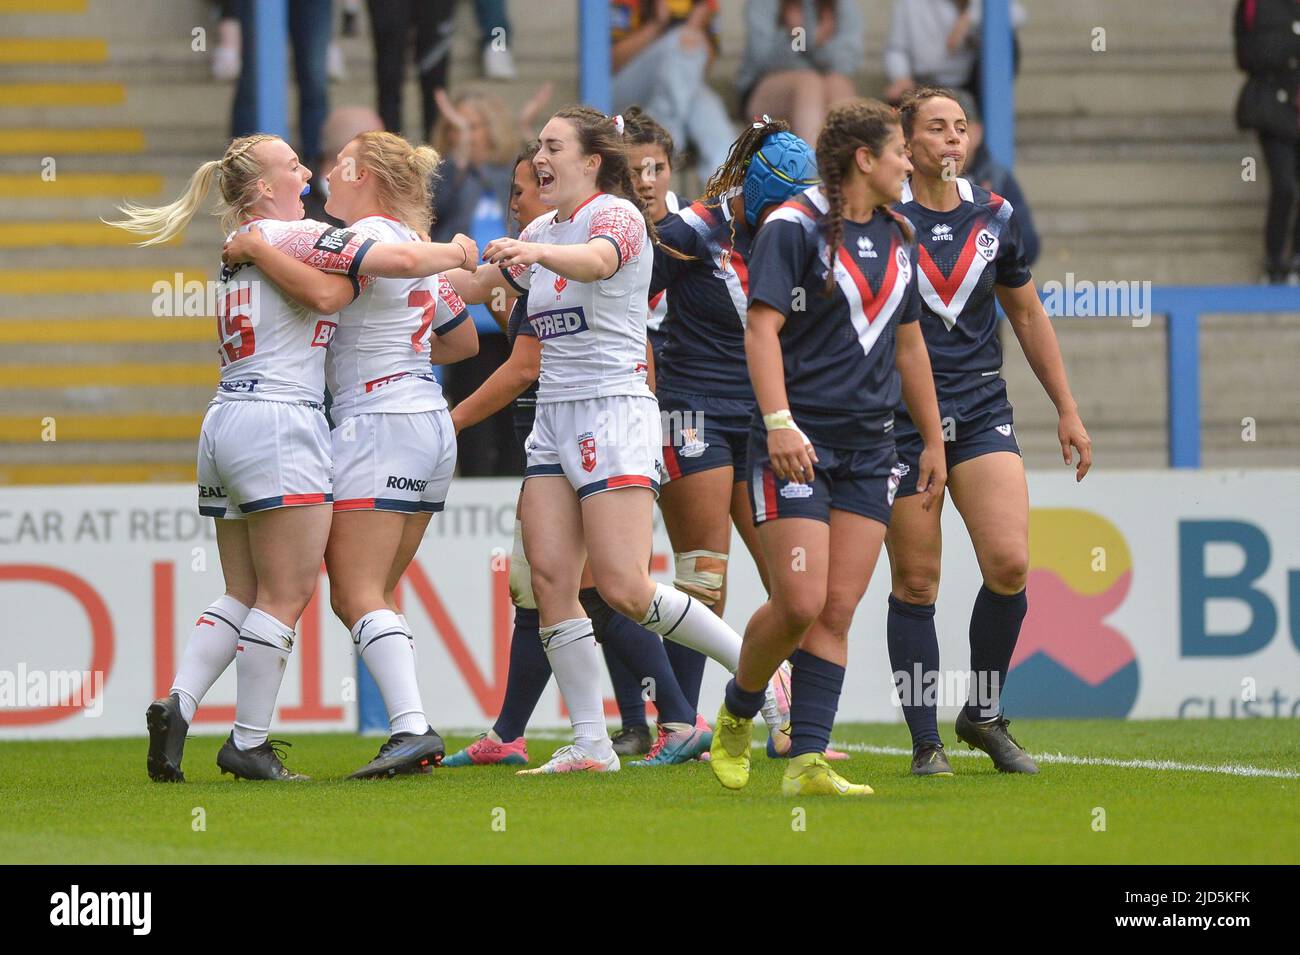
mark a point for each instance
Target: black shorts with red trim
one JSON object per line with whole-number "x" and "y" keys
{"x": 859, "y": 481}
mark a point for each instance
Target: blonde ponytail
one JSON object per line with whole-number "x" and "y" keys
{"x": 236, "y": 174}
{"x": 402, "y": 176}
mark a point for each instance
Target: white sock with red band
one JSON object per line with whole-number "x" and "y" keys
{"x": 576, "y": 662}
{"x": 262, "y": 654}
{"x": 208, "y": 651}
{"x": 384, "y": 644}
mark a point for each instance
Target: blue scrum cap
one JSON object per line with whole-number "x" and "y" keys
{"x": 783, "y": 166}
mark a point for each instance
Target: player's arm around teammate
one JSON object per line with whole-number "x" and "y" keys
{"x": 822, "y": 353}
{"x": 263, "y": 468}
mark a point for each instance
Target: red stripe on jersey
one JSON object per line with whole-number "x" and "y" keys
{"x": 769, "y": 492}
{"x": 946, "y": 286}
{"x": 656, "y": 299}
{"x": 628, "y": 480}
{"x": 355, "y": 504}
{"x": 579, "y": 207}
{"x": 741, "y": 270}
{"x": 671, "y": 464}
{"x": 291, "y": 500}
{"x": 871, "y": 305}
{"x": 798, "y": 207}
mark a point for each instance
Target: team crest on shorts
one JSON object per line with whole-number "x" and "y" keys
{"x": 795, "y": 490}
{"x": 1003, "y": 429}
{"x": 692, "y": 446}
{"x": 587, "y": 448}
{"x": 895, "y": 478}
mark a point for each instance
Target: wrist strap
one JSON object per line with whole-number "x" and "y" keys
{"x": 779, "y": 419}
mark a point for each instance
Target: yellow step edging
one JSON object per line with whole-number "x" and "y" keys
{"x": 40, "y": 234}
{"x": 66, "y": 185}
{"x": 62, "y": 94}
{"x": 33, "y": 429}
{"x": 42, "y": 6}
{"x": 51, "y": 142}
{"x": 52, "y": 50}
{"x": 128, "y": 375}
{"x": 98, "y": 473}
{"x": 105, "y": 331}
{"x": 91, "y": 281}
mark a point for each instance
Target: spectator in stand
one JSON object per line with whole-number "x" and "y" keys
{"x": 800, "y": 58}
{"x": 477, "y": 141}
{"x": 390, "y": 27}
{"x": 494, "y": 39}
{"x": 937, "y": 43}
{"x": 311, "y": 23}
{"x": 343, "y": 124}
{"x": 1268, "y": 49}
{"x": 660, "y": 56}
{"x": 983, "y": 170}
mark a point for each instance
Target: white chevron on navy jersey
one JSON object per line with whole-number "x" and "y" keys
{"x": 721, "y": 256}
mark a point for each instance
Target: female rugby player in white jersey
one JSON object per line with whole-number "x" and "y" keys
{"x": 394, "y": 447}
{"x": 594, "y": 452}
{"x": 264, "y": 458}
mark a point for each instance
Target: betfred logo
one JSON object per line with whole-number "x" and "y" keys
{"x": 211, "y": 490}
{"x": 1070, "y": 662}
{"x": 334, "y": 240}
{"x": 324, "y": 334}
{"x": 558, "y": 322}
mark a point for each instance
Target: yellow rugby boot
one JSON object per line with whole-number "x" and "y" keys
{"x": 729, "y": 752}
{"x": 810, "y": 775}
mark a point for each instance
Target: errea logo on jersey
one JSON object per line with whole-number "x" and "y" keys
{"x": 865, "y": 248}
{"x": 941, "y": 233}
{"x": 558, "y": 322}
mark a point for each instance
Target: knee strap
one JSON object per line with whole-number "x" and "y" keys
{"x": 521, "y": 575}
{"x": 701, "y": 573}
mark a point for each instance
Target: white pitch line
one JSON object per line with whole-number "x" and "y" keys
{"x": 1162, "y": 765}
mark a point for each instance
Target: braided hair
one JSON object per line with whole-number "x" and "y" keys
{"x": 850, "y": 126}
{"x": 730, "y": 176}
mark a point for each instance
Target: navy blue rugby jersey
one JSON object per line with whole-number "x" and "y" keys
{"x": 963, "y": 254}
{"x": 518, "y": 324}
{"x": 704, "y": 349}
{"x": 839, "y": 348}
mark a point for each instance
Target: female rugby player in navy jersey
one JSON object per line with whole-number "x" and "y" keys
{"x": 702, "y": 381}
{"x": 832, "y": 328}
{"x": 971, "y": 258}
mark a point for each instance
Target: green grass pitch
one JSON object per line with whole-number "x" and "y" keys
{"x": 91, "y": 802}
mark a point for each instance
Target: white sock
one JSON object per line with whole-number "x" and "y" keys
{"x": 384, "y": 644}
{"x": 575, "y": 660}
{"x": 410, "y": 634}
{"x": 683, "y": 619}
{"x": 208, "y": 651}
{"x": 262, "y": 653}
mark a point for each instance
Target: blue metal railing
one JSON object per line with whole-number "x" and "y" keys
{"x": 997, "y": 82}
{"x": 1183, "y": 305}
{"x": 270, "y": 22}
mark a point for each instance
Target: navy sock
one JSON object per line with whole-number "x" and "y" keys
{"x": 994, "y": 629}
{"x": 815, "y": 688}
{"x": 688, "y": 665}
{"x": 743, "y": 703}
{"x": 914, "y": 653}
{"x": 527, "y": 677}
{"x": 642, "y": 654}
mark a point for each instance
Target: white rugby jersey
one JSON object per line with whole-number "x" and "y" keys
{"x": 379, "y": 361}
{"x": 593, "y": 334}
{"x": 271, "y": 347}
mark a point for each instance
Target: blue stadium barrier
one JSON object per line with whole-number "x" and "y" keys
{"x": 997, "y": 82}
{"x": 270, "y": 41}
{"x": 1184, "y": 305}
{"x": 594, "y": 87}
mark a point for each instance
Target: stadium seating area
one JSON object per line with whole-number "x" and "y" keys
{"x": 1133, "y": 167}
